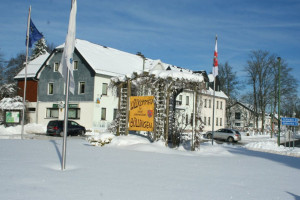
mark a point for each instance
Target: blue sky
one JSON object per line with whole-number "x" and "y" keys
{"x": 179, "y": 32}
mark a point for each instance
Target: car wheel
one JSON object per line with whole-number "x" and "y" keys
{"x": 61, "y": 134}
{"x": 230, "y": 139}
{"x": 209, "y": 136}
{"x": 81, "y": 132}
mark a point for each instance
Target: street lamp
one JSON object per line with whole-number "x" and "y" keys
{"x": 279, "y": 120}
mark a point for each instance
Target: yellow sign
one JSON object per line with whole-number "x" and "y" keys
{"x": 141, "y": 116}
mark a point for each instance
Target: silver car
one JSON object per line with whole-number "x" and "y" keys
{"x": 229, "y": 135}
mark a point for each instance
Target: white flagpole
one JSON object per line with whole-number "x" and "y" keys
{"x": 214, "y": 74}
{"x": 69, "y": 39}
{"x": 25, "y": 79}
{"x": 213, "y": 118}
{"x": 63, "y": 163}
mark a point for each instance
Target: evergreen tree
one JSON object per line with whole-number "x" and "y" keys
{"x": 40, "y": 48}
{"x": 1, "y": 69}
{"x": 8, "y": 90}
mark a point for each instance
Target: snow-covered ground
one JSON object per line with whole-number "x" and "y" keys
{"x": 130, "y": 167}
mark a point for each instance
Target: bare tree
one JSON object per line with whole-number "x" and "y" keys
{"x": 261, "y": 78}
{"x": 13, "y": 67}
{"x": 288, "y": 85}
{"x": 229, "y": 83}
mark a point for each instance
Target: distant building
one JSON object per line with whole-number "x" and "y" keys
{"x": 242, "y": 116}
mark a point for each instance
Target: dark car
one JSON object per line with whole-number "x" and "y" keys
{"x": 56, "y": 127}
{"x": 229, "y": 135}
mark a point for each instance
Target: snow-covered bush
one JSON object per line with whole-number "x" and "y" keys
{"x": 14, "y": 103}
{"x": 101, "y": 139}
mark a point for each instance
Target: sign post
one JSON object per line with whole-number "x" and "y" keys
{"x": 289, "y": 121}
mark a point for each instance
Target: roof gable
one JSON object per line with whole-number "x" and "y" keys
{"x": 33, "y": 67}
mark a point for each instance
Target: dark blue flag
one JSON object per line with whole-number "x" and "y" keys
{"x": 34, "y": 34}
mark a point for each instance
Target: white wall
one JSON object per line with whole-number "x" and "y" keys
{"x": 220, "y": 113}
{"x": 32, "y": 115}
{"x": 109, "y": 101}
{"x": 86, "y": 113}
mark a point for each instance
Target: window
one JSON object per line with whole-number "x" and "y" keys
{"x": 221, "y": 105}
{"x": 217, "y": 121}
{"x": 52, "y": 113}
{"x": 208, "y": 121}
{"x": 187, "y": 100}
{"x": 217, "y": 104}
{"x": 180, "y": 99}
{"x": 50, "y": 88}
{"x": 103, "y": 113}
{"x": 186, "y": 119}
{"x": 220, "y": 121}
{"x": 74, "y": 113}
{"x": 209, "y": 103}
{"x": 205, "y": 103}
{"x": 55, "y": 68}
{"x": 204, "y": 121}
{"x": 104, "y": 88}
{"x": 31, "y": 109}
{"x": 237, "y": 124}
{"x": 81, "y": 87}
{"x": 115, "y": 113}
{"x": 75, "y": 65}
{"x": 237, "y": 115}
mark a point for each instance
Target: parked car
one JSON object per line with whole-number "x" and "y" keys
{"x": 56, "y": 127}
{"x": 229, "y": 135}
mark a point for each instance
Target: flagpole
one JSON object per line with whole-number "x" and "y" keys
{"x": 25, "y": 79}
{"x": 67, "y": 89}
{"x": 214, "y": 74}
{"x": 213, "y": 118}
{"x": 63, "y": 163}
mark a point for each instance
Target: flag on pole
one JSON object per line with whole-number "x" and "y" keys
{"x": 215, "y": 64}
{"x": 34, "y": 34}
{"x": 67, "y": 56}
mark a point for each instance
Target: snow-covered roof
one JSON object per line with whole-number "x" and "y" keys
{"x": 113, "y": 62}
{"x": 211, "y": 78}
{"x": 177, "y": 75}
{"x": 33, "y": 67}
{"x": 217, "y": 93}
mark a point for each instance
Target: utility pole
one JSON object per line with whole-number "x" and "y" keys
{"x": 279, "y": 121}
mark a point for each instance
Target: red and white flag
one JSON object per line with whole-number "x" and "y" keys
{"x": 215, "y": 64}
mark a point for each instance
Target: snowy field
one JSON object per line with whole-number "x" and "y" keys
{"x": 131, "y": 167}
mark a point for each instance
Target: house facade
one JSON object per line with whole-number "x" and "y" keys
{"x": 31, "y": 85}
{"x": 242, "y": 117}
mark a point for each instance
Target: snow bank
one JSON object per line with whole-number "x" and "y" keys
{"x": 272, "y": 147}
{"x": 28, "y": 129}
{"x": 35, "y": 128}
{"x": 143, "y": 144}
